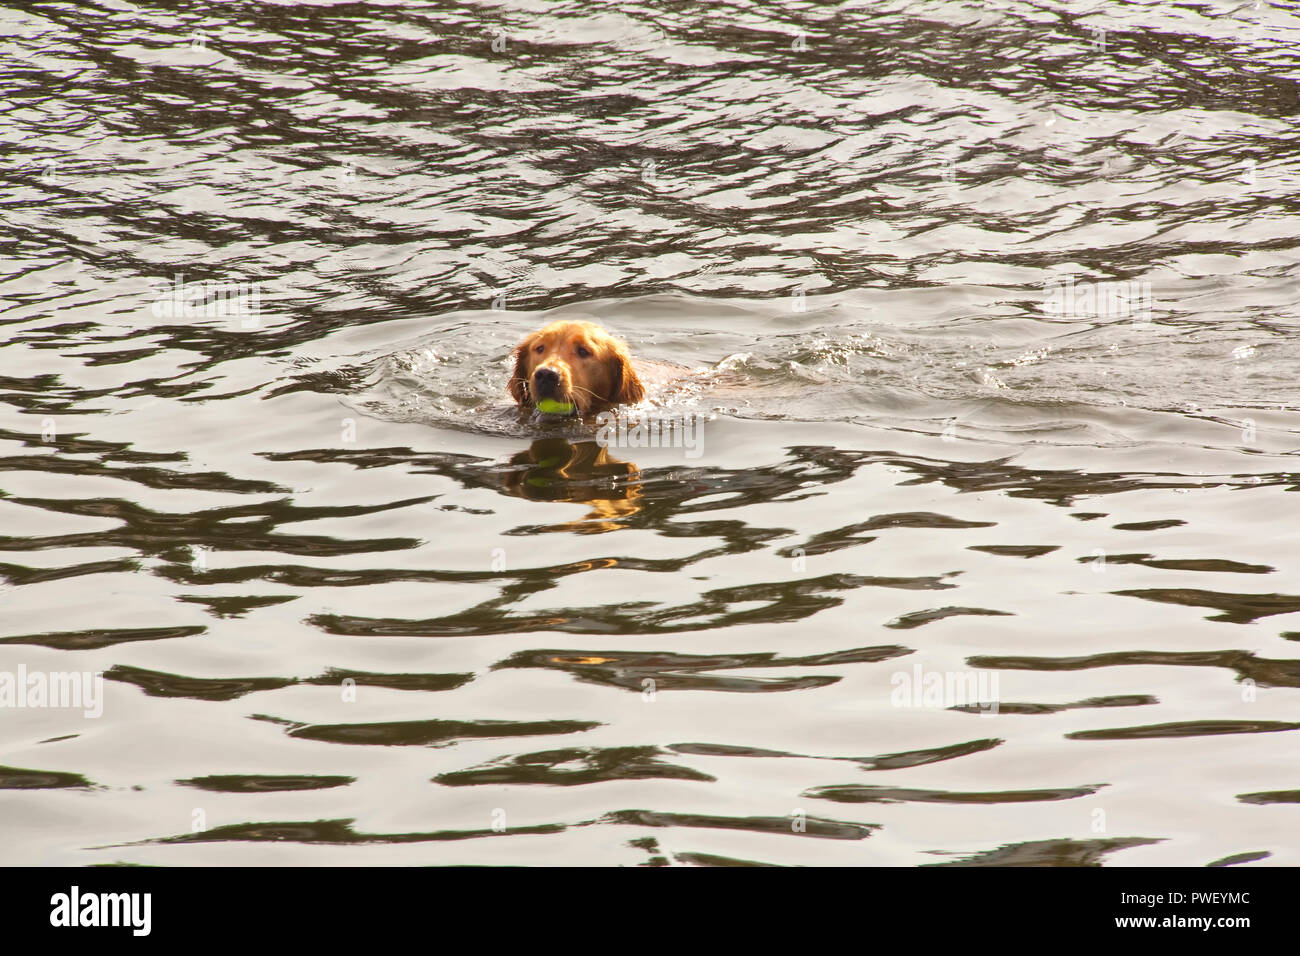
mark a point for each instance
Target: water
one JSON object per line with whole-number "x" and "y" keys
{"x": 350, "y": 608}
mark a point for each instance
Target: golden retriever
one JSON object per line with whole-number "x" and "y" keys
{"x": 577, "y": 364}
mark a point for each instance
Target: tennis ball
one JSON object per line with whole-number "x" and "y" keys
{"x": 551, "y": 407}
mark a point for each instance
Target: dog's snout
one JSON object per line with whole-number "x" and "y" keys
{"x": 546, "y": 377}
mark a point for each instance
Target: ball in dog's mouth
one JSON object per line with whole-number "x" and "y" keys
{"x": 551, "y": 406}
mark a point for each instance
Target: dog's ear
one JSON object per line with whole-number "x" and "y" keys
{"x": 518, "y": 386}
{"x": 628, "y": 389}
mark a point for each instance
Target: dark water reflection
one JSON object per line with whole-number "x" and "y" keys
{"x": 351, "y": 607}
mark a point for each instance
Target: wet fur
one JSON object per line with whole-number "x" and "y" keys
{"x": 592, "y": 370}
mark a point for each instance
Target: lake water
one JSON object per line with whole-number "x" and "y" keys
{"x": 984, "y": 551}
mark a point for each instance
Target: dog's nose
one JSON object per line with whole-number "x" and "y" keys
{"x": 546, "y": 377}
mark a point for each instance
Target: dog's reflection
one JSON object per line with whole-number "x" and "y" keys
{"x": 554, "y": 469}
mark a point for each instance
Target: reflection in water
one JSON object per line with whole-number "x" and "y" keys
{"x": 1236, "y": 608}
{"x": 1189, "y": 728}
{"x": 1275, "y": 796}
{"x": 429, "y": 733}
{"x": 554, "y": 469}
{"x": 812, "y": 826}
{"x": 898, "y": 761}
{"x": 264, "y": 783}
{"x": 1237, "y": 858}
{"x": 342, "y": 831}
{"x": 158, "y": 684}
{"x": 575, "y": 766}
{"x": 667, "y": 671}
{"x": 1050, "y": 853}
{"x": 337, "y": 832}
{"x": 102, "y": 637}
{"x": 1117, "y": 700}
{"x": 1268, "y": 673}
{"x": 864, "y": 794}
{"x": 15, "y": 778}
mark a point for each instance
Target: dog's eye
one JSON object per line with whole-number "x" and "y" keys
{"x": 584, "y": 352}
{"x": 539, "y": 349}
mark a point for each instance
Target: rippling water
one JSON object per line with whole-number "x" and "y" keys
{"x": 991, "y": 314}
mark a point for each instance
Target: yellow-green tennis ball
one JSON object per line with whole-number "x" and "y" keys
{"x": 551, "y": 407}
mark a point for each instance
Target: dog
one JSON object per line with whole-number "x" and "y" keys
{"x": 576, "y": 364}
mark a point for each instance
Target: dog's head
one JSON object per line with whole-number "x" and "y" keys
{"x": 577, "y": 363}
